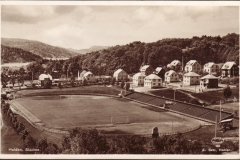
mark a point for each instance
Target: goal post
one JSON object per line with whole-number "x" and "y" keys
{"x": 120, "y": 120}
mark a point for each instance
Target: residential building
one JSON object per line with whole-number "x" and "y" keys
{"x": 211, "y": 68}
{"x": 152, "y": 81}
{"x": 208, "y": 81}
{"x": 89, "y": 76}
{"x": 230, "y": 69}
{"x": 138, "y": 79}
{"x": 120, "y": 75}
{"x": 191, "y": 78}
{"x": 171, "y": 76}
{"x": 146, "y": 70}
{"x": 193, "y": 66}
{"x": 160, "y": 71}
{"x": 175, "y": 65}
{"x": 44, "y": 78}
{"x": 81, "y": 74}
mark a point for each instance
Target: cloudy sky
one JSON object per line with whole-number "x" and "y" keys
{"x": 79, "y": 27}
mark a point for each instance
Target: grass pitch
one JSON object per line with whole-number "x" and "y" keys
{"x": 96, "y": 111}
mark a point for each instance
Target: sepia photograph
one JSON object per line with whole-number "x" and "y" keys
{"x": 148, "y": 79}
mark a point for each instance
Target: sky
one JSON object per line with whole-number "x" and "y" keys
{"x": 83, "y": 26}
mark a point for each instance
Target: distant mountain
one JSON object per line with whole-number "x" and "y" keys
{"x": 39, "y": 48}
{"x": 12, "y": 54}
{"x": 91, "y": 49}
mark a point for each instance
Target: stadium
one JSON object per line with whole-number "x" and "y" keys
{"x": 134, "y": 113}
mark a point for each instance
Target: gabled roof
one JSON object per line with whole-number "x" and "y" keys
{"x": 175, "y": 62}
{"x": 158, "y": 69}
{"x": 87, "y": 73}
{"x": 144, "y": 67}
{"x": 192, "y": 74}
{"x": 228, "y": 65}
{"x": 118, "y": 71}
{"x": 209, "y": 64}
{"x": 169, "y": 73}
{"x": 152, "y": 76}
{"x": 42, "y": 76}
{"x": 138, "y": 74}
{"x": 191, "y": 62}
{"x": 83, "y": 72}
{"x": 209, "y": 76}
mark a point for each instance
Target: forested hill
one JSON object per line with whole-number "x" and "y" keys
{"x": 131, "y": 56}
{"x": 12, "y": 54}
{"x": 38, "y": 48}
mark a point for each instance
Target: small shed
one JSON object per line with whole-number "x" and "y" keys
{"x": 209, "y": 81}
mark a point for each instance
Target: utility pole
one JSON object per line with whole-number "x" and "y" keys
{"x": 216, "y": 128}
{"x": 220, "y": 111}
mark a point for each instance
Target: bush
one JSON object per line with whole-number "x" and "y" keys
{"x": 194, "y": 101}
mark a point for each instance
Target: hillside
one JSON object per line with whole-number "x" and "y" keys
{"x": 91, "y": 49}
{"x": 131, "y": 56}
{"x": 12, "y": 54}
{"x": 38, "y": 48}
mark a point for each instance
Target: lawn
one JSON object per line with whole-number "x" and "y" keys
{"x": 96, "y": 111}
{"x": 215, "y": 96}
{"x": 97, "y": 89}
{"x": 169, "y": 93}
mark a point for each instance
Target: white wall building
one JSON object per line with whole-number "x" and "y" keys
{"x": 171, "y": 76}
{"x": 152, "y": 81}
{"x": 120, "y": 75}
{"x": 138, "y": 79}
{"x": 211, "y": 68}
{"x": 89, "y": 76}
{"x": 191, "y": 78}
{"x": 192, "y": 66}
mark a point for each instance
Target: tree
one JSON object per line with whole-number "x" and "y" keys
{"x": 127, "y": 86}
{"x": 122, "y": 84}
{"x": 113, "y": 81}
{"x": 85, "y": 141}
{"x": 227, "y": 92}
{"x": 4, "y": 79}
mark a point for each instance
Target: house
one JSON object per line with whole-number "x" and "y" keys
{"x": 89, "y": 76}
{"x": 208, "y": 81}
{"x": 138, "y": 79}
{"x": 191, "y": 78}
{"x": 175, "y": 65}
{"x": 80, "y": 76}
{"x": 44, "y": 79}
{"x": 146, "y": 70}
{"x": 192, "y": 66}
{"x": 230, "y": 69}
{"x": 160, "y": 71}
{"x": 152, "y": 81}
{"x": 171, "y": 76}
{"x": 211, "y": 68}
{"x": 120, "y": 75}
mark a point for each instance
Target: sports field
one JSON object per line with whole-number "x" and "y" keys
{"x": 96, "y": 111}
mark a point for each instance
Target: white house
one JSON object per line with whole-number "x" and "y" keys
{"x": 146, "y": 70}
{"x": 175, "y": 65}
{"x": 120, "y": 75}
{"x": 89, "y": 76}
{"x": 44, "y": 78}
{"x": 152, "y": 81}
{"x": 192, "y": 66}
{"x": 211, "y": 68}
{"x": 138, "y": 79}
{"x": 191, "y": 78}
{"x": 230, "y": 69}
{"x": 171, "y": 76}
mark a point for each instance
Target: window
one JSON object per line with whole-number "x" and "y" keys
{"x": 154, "y": 84}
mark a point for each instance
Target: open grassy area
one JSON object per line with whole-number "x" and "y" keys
{"x": 169, "y": 93}
{"x": 73, "y": 91}
{"x": 96, "y": 111}
{"x": 215, "y": 96}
